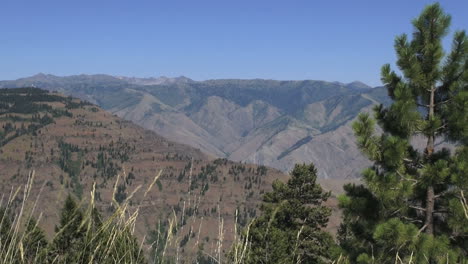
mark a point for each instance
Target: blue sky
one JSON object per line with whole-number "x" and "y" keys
{"x": 322, "y": 40}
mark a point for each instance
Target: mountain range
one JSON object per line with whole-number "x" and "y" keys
{"x": 74, "y": 146}
{"x": 267, "y": 122}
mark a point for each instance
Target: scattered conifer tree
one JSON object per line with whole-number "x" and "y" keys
{"x": 290, "y": 228}
{"x": 69, "y": 239}
{"x": 5, "y": 228}
{"x": 34, "y": 243}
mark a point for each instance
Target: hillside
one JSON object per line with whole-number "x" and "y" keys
{"x": 71, "y": 144}
{"x": 273, "y": 123}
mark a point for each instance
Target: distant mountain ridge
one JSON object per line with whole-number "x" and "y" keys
{"x": 154, "y": 81}
{"x": 269, "y": 122}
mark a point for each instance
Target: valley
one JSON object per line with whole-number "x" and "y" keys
{"x": 266, "y": 122}
{"x": 72, "y": 145}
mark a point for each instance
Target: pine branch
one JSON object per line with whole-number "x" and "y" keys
{"x": 413, "y": 163}
{"x": 395, "y": 212}
{"x": 417, "y": 208}
{"x": 464, "y": 204}
{"x": 422, "y": 229}
{"x": 412, "y": 220}
{"x": 407, "y": 179}
{"x": 442, "y": 194}
{"x": 443, "y": 102}
{"x": 441, "y": 127}
{"x": 423, "y": 105}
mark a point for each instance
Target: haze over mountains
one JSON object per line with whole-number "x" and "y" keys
{"x": 269, "y": 122}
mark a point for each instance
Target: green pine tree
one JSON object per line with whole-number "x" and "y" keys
{"x": 115, "y": 240}
{"x": 69, "y": 239}
{"x": 8, "y": 250}
{"x": 290, "y": 229}
{"x": 5, "y": 229}
{"x": 125, "y": 248}
{"x": 411, "y": 204}
{"x": 34, "y": 243}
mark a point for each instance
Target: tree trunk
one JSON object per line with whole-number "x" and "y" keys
{"x": 430, "y": 197}
{"x": 430, "y": 116}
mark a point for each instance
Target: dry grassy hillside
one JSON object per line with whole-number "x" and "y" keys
{"x": 72, "y": 144}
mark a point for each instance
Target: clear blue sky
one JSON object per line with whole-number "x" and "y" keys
{"x": 331, "y": 40}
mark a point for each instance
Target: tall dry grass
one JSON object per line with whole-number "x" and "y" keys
{"x": 113, "y": 241}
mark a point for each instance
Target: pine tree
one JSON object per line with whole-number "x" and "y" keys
{"x": 116, "y": 241}
{"x": 410, "y": 206}
{"x": 68, "y": 242}
{"x": 5, "y": 229}
{"x": 34, "y": 243}
{"x": 125, "y": 248}
{"x": 290, "y": 229}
